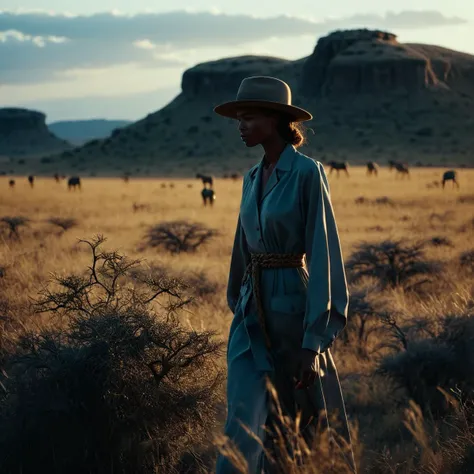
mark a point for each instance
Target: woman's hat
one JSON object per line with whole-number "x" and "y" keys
{"x": 263, "y": 92}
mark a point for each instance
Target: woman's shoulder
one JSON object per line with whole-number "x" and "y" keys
{"x": 307, "y": 165}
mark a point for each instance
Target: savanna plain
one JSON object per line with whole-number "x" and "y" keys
{"x": 88, "y": 385}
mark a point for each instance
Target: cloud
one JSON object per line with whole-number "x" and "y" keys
{"x": 27, "y": 58}
{"x": 41, "y": 46}
{"x": 407, "y": 20}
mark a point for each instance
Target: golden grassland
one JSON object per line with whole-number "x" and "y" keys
{"x": 414, "y": 209}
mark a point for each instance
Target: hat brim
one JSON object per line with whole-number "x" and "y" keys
{"x": 230, "y": 109}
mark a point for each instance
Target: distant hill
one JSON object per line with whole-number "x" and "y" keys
{"x": 23, "y": 133}
{"x": 372, "y": 98}
{"x": 79, "y": 132}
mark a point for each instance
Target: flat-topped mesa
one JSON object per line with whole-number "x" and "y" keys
{"x": 25, "y": 132}
{"x": 222, "y": 78}
{"x": 364, "y": 61}
{"x": 12, "y": 119}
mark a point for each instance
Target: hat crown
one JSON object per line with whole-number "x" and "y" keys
{"x": 264, "y": 88}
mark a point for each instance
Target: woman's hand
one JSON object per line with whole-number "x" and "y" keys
{"x": 307, "y": 369}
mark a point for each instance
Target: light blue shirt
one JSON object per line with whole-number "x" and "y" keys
{"x": 293, "y": 215}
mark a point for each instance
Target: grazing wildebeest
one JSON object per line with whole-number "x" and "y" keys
{"x": 56, "y": 177}
{"x": 73, "y": 182}
{"x": 234, "y": 176}
{"x": 205, "y": 179}
{"x": 31, "y": 180}
{"x": 126, "y": 178}
{"x": 450, "y": 175}
{"x": 372, "y": 168}
{"x": 338, "y": 166}
{"x": 401, "y": 168}
{"x": 11, "y": 183}
{"x": 208, "y": 194}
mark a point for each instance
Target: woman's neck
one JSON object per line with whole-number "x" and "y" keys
{"x": 273, "y": 149}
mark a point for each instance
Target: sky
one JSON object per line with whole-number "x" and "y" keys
{"x": 123, "y": 59}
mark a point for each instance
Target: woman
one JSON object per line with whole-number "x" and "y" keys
{"x": 286, "y": 315}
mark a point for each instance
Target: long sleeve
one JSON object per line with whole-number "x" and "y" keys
{"x": 327, "y": 294}
{"x": 238, "y": 264}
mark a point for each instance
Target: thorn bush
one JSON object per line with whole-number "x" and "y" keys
{"x": 117, "y": 385}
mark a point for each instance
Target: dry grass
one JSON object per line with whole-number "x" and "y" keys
{"x": 105, "y": 206}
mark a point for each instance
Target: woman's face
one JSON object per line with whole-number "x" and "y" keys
{"x": 256, "y": 126}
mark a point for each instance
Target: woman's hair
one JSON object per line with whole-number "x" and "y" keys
{"x": 291, "y": 132}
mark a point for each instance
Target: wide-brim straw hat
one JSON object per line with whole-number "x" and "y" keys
{"x": 263, "y": 92}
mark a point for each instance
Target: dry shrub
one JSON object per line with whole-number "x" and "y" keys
{"x": 445, "y": 360}
{"x": 467, "y": 199}
{"x": 384, "y": 200}
{"x": 201, "y": 285}
{"x": 380, "y": 201}
{"x": 440, "y": 241}
{"x": 361, "y": 320}
{"x": 361, "y": 200}
{"x": 467, "y": 226}
{"x": 179, "y": 236}
{"x": 140, "y": 207}
{"x": 64, "y": 223}
{"x": 420, "y": 369}
{"x": 13, "y": 224}
{"x": 117, "y": 386}
{"x": 466, "y": 260}
{"x": 195, "y": 285}
{"x": 393, "y": 262}
{"x": 445, "y": 216}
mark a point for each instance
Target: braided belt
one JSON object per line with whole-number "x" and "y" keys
{"x": 268, "y": 260}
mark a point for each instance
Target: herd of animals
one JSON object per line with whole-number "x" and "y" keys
{"x": 208, "y": 194}
{"x": 402, "y": 169}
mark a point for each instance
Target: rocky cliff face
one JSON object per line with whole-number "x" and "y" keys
{"x": 24, "y": 132}
{"x": 365, "y": 62}
{"x": 371, "y": 97}
{"x": 222, "y": 78}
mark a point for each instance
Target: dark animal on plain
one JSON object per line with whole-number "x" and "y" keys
{"x": 372, "y": 168}
{"x": 126, "y": 178}
{"x": 234, "y": 176}
{"x": 73, "y": 182}
{"x": 140, "y": 207}
{"x": 339, "y": 166}
{"x": 11, "y": 183}
{"x": 163, "y": 185}
{"x": 450, "y": 175}
{"x": 401, "y": 168}
{"x": 208, "y": 195}
{"x": 205, "y": 179}
{"x": 171, "y": 185}
{"x": 190, "y": 185}
{"x": 56, "y": 177}
{"x": 31, "y": 180}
